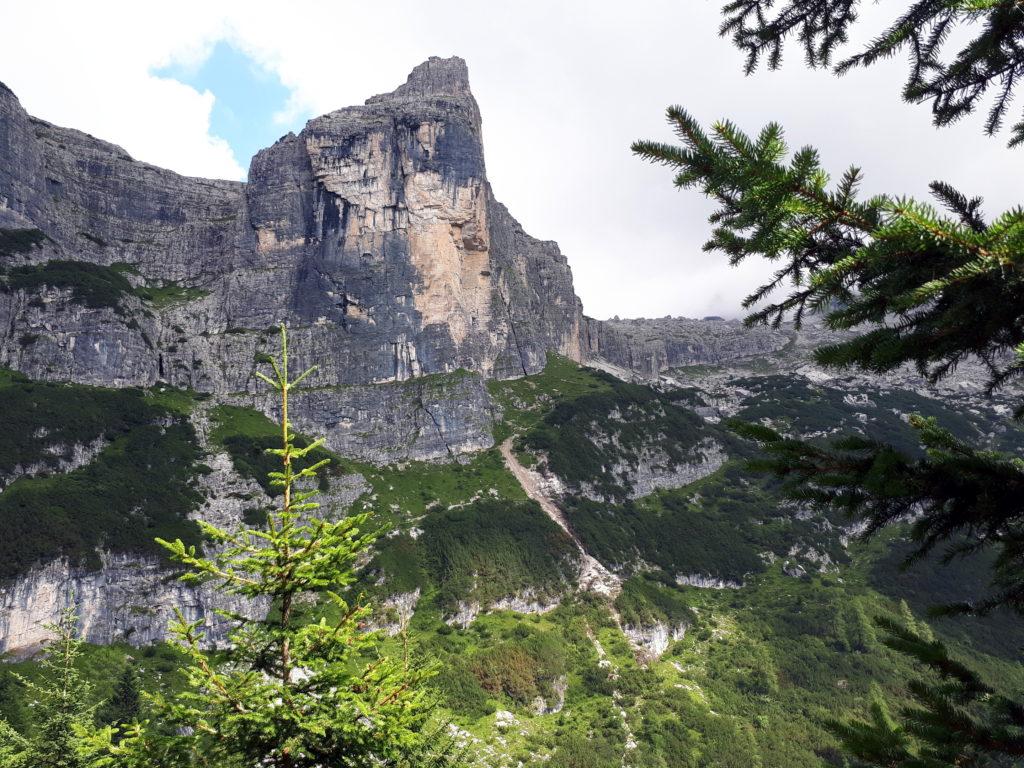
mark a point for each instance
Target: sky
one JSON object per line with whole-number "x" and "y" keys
{"x": 564, "y": 87}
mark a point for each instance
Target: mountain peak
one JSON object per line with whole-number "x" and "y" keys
{"x": 434, "y": 77}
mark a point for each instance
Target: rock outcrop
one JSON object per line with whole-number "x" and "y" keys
{"x": 373, "y": 233}
{"x": 649, "y": 347}
{"x": 650, "y": 641}
{"x": 655, "y": 470}
{"x": 435, "y": 416}
{"x": 129, "y": 599}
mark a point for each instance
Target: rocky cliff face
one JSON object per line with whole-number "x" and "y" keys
{"x": 129, "y": 599}
{"x": 649, "y": 347}
{"x": 373, "y": 232}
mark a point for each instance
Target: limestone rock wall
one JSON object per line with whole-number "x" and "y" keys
{"x": 435, "y": 417}
{"x": 649, "y": 347}
{"x": 129, "y": 599}
{"x": 373, "y": 233}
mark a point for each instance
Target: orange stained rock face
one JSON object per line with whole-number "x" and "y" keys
{"x": 267, "y": 240}
{"x": 446, "y": 225}
{"x": 449, "y": 248}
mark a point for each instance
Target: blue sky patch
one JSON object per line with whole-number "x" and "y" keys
{"x": 246, "y": 98}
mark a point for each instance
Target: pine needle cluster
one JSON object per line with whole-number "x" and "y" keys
{"x": 957, "y": 719}
{"x": 989, "y": 63}
{"x": 926, "y": 284}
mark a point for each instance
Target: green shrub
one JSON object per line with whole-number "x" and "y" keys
{"x": 460, "y": 690}
{"x": 509, "y": 671}
{"x": 798, "y": 406}
{"x": 494, "y": 548}
{"x": 91, "y": 285}
{"x": 636, "y": 416}
{"x": 662, "y": 529}
{"x": 579, "y": 750}
{"x": 397, "y": 564}
{"x": 139, "y": 485}
{"x": 643, "y": 602}
{"x": 168, "y": 293}
{"x": 930, "y": 582}
{"x": 14, "y": 241}
{"x": 42, "y": 416}
{"x": 521, "y": 670}
{"x": 247, "y": 435}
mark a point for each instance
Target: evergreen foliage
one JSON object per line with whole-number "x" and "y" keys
{"x": 14, "y": 241}
{"x": 521, "y": 670}
{"x": 125, "y": 704}
{"x": 991, "y": 62}
{"x": 92, "y": 285}
{"x": 492, "y": 549}
{"x": 478, "y": 552}
{"x": 913, "y": 285}
{"x": 934, "y": 290}
{"x": 933, "y": 581}
{"x": 291, "y": 689}
{"x": 732, "y": 515}
{"x": 248, "y": 436}
{"x": 956, "y": 495}
{"x": 139, "y": 485}
{"x": 62, "y": 713}
{"x": 46, "y": 417}
{"x": 163, "y": 294}
{"x": 796, "y": 406}
{"x": 630, "y": 418}
{"x": 956, "y": 718}
{"x": 939, "y": 289}
{"x": 644, "y": 602}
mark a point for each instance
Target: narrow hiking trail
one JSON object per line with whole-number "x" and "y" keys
{"x": 593, "y": 576}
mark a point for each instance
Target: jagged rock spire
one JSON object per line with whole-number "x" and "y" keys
{"x": 434, "y": 77}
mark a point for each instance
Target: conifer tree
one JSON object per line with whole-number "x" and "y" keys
{"x": 62, "y": 713}
{"x": 125, "y": 704}
{"x": 912, "y": 286}
{"x": 990, "y": 62}
{"x": 14, "y": 747}
{"x": 908, "y": 284}
{"x": 300, "y": 686}
{"x": 957, "y": 719}
{"x": 860, "y": 631}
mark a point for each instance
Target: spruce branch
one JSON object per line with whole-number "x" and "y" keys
{"x": 988, "y": 64}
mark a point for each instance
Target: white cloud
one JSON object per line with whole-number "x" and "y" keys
{"x": 564, "y": 88}
{"x": 88, "y": 67}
